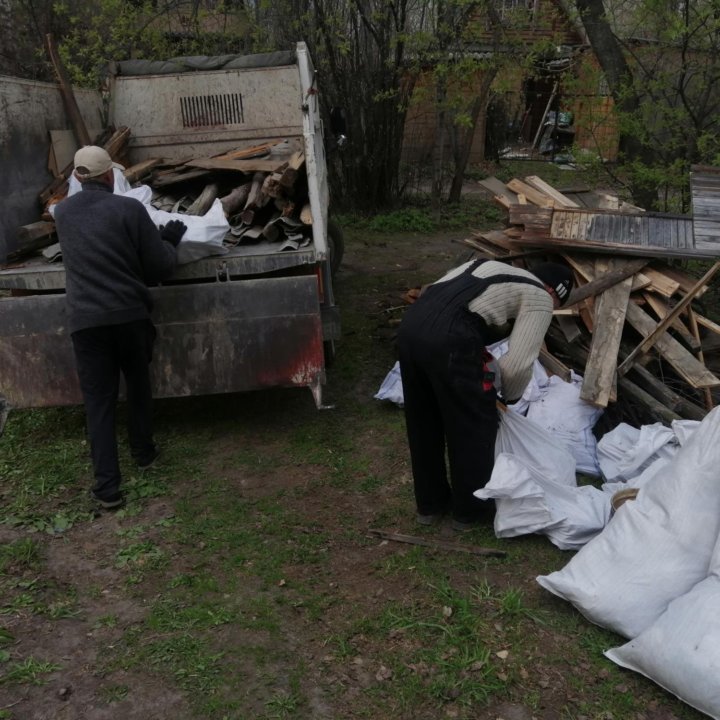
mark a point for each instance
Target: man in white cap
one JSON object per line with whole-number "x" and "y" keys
{"x": 111, "y": 250}
{"x": 448, "y": 387}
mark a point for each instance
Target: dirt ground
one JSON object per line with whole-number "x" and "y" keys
{"x": 307, "y": 627}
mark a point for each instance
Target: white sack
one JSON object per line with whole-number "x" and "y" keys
{"x": 656, "y": 548}
{"x": 536, "y": 448}
{"x": 122, "y": 186}
{"x": 681, "y": 650}
{"x": 570, "y": 419}
{"x": 528, "y": 502}
{"x": 625, "y": 451}
{"x": 204, "y": 235}
{"x": 391, "y": 387}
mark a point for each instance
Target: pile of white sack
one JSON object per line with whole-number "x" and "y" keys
{"x": 653, "y": 574}
{"x": 204, "y": 235}
{"x": 651, "y": 571}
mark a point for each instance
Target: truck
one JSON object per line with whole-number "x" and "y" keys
{"x": 249, "y": 319}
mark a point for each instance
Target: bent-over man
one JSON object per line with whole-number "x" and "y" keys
{"x": 448, "y": 387}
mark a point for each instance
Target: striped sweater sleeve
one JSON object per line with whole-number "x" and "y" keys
{"x": 525, "y": 342}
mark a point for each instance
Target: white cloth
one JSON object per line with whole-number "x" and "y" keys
{"x": 204, "y": 235}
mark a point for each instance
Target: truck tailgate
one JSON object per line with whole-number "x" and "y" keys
{"x": 220, "y": 337}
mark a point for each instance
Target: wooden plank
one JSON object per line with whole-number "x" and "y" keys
{"x": 661, "y": 309}
{"x": 248, "y": 152}
{"x": 544, "y": 187}
{"x": 245, "y": 166}
{"x": 534, "y": 218}
{"x": 699, "y": 354}
{"x": 643, "y": 377}
{"x": 66, "y": 91}
{"x": 656, "y": 408}
{"x": 437, "y": 544}
{"x": 656, "y": 332}
{"x": 534, "y": 196}
{"x": 597, "y": 285}
{"x": 569, "y": 328}
{"x": 496, "y": 237}
{"x": 709, "y": 324}
{"x": 499, "y": 191}
{"x": 661, "y": 283}
{"x": 610, "y": 309}
{"x": 684, "y": 363}
{"x": 135, "y": 172}
{"x": 684, "y": 280}
{"x": 554, "y": 366}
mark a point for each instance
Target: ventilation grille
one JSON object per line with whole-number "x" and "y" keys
{"x": 209, "y": 110}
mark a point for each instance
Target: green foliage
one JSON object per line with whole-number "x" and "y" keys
{"x": 419, "y": 216}
{"x": 29, "y": 671}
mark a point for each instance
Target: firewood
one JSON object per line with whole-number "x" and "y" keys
{"x": 141, "y": 169}
{"x": 289, "y": 175}
{"x": 32, "y": 237}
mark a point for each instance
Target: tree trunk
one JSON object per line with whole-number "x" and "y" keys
{"x": 466, "y": 135}
{"x": 619, "y": 76}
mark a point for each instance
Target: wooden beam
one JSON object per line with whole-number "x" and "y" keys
{"x": 685, "y": 364}
{"x": 554, "y": 366}
{"x": 659, "y": 330}
{"x": 536, "y": 197}
{"x": 437, "y": 544}
{"x": 661, "y": 392}
{"x": 654, "y": 406}
{"x": 560, "y": 199}
{"x": 610, "y": 308}
{"x": 598, "y": 285}
{"x": 71, "y": 107}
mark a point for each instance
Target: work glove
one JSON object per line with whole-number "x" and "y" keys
{"x": 173, "y": 232}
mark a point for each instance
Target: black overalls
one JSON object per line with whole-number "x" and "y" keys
{"x": 449, "y": 394}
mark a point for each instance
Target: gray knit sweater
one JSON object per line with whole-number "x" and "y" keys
{"x": 111, "y": 250}
{"x": 529, "y": 306}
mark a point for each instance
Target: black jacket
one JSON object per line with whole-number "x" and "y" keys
{"x": 111, "y": 250}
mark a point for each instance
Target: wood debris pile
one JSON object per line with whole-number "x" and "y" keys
{"x": 263, "y": 190}
{"x": 635, "y": 326}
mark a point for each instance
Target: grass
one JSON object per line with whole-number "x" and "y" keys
{"x": 240, "y": 577}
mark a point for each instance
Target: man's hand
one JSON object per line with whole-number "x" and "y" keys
{"x": 173, "y": 232}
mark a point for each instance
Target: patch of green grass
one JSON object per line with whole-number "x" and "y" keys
{"x": 27, "y": 672}
{"x": 418, "y": 215}
{"x": 140, "y": 555}
{"x": 18, "y": 556}
{"x": 114, "y": 693}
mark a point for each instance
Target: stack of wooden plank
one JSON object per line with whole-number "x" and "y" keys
{"x": 635, "y": 326}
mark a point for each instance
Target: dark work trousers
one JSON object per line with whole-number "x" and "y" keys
{"x": 101, "y": 354}
{"x": 449, "y": 398}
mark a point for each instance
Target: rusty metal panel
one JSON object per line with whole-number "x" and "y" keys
{"x": 212, "y": 338}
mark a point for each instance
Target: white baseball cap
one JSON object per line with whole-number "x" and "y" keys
{"x": 91, "y": 161}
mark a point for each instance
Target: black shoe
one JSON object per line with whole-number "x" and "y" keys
{"x": 432, "y": 519}
{"x": 465, "y": 524}
{"x": 109, "y": 502}
{"x": 147, "y": 462}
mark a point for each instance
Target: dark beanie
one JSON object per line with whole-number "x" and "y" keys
{"x": 558, "y": 277}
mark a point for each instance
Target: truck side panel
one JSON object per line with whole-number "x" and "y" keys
{"x": 236, "y": 336}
